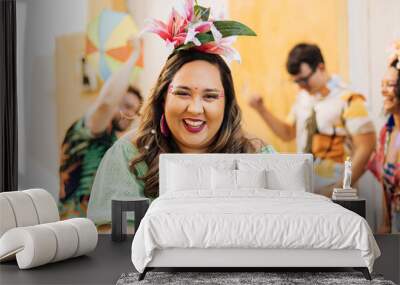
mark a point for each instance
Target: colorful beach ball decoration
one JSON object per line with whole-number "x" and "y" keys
{"x": 108, "y": 43}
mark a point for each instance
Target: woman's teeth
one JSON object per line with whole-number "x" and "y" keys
{"x": 193, "y": 123}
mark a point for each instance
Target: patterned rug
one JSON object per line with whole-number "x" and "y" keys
{"x": 230, "y": 278}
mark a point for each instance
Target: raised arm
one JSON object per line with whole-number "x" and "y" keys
{"x": 102, "y": 111}
{"x": 282, "y": 129}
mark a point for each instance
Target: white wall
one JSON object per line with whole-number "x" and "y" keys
{"x": 39, "y": 22}
{"x": 21, "y": 26}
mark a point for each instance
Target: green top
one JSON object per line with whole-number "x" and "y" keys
{"x": 114, "y": 180}
{"x": 81, "y": 155}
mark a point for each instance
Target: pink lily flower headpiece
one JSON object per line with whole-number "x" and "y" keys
{"x": 196, "y": 30}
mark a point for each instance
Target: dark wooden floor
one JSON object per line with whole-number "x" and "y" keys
{"x": 106, "y": 264}
{"x": 389, "y": 263}
{"x": 102, "y": 266}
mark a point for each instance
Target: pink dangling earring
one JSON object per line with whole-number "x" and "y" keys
{"x": 164, "y": 126}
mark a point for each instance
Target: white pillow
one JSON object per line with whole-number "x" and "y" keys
{"x": 282, "y": 174}
{"x": 235, "y": 179}
{"x": 181, "y": 177}
{"x": 280, "y": 180}
{"x": 251, "y": 178}
{"x": 223, "y": 179}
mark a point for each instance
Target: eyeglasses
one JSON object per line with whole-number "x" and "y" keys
{"x": 304, "y": 80}
{"x": 128, "y": 116}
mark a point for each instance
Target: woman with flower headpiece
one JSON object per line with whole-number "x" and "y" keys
{"x": 385, "y": 163}
{"x": 191, "y": 109}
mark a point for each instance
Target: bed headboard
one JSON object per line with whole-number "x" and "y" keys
{"x": 211, "y": 159}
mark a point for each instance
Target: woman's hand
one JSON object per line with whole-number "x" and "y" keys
{"x": 283, "y": 130}
{"x": 257, "y": 103}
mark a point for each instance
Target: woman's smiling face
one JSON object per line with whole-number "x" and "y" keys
{"x": 194, "y": 105}
{"x": 391, "y": 103}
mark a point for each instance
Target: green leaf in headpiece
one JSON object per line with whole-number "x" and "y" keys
{"x": 202, "y": 37}
{"x": 205, "y": 37}
{"x": 233, "y": 28}
{"x": 202, "y": 13}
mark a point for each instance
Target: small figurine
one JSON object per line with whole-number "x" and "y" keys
{"x": 347, "y": 174}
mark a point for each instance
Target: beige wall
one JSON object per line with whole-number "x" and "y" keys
{"x": 72, "y": 102}
{"x": 95, "y": 6}
{"x": 280, "y": 25}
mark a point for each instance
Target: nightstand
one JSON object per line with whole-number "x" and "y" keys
{"x": 356, "y": 205}
{"x": 118, "y": 215}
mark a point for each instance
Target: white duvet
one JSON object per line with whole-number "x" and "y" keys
{"x": 252, "y": 218}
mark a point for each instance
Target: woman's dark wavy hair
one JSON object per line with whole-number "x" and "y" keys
{"x": 397, "y": 91}
{"x": 229, "y": 138}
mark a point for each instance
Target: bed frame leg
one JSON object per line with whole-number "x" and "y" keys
{"x": 364, "y": 271}
{"x": 143, "y": 274}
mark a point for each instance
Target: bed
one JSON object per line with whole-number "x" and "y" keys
{"x": 246, "y": 211}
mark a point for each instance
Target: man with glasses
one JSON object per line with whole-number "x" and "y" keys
{"x": 87, "y": 140}
{"x": 327, "y": 119}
